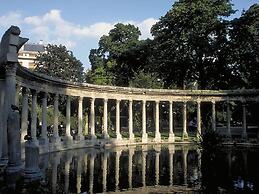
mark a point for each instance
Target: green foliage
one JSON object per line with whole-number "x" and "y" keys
{"x": 146, "y": 80}
{"x": 59, "y": 62}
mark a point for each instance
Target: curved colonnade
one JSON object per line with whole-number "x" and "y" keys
{"x": 19, "y": 79}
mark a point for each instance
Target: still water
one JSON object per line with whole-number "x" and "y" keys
{"x": 143, "y": 169}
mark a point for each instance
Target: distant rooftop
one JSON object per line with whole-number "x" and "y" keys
{"x": 34, "y": 47}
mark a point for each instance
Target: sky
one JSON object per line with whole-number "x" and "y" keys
{"x": 79, "y": 24}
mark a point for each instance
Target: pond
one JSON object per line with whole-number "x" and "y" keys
{"x": 142, "y": 169}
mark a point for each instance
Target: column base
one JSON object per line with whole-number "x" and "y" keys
{"x": 93, "y": 137}
{"x": 3, "y": 161}
{"x": 105, "y": 135}
{"x": 80, "y": 137}
{"x": 118, "y": 137}
{"x": 32, "y": 175}
{"x": 131, "y": 136}
{"x": 185, "y": 136}
{"x": 14, "y": 168}
{"x": 157, "y": 137}
{"x": 171, "y": 137}
{"x": 55, "y": 140}
{"x": 43, "y": 141}
{"x": 144, "y": 138}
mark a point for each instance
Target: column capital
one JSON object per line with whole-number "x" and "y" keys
{"x": 213, "y": 102}
{"x": 80, "y": 98}
{"x": 171, "y": 102}
{"x": 56, "y": 96}
{"x": 157, "y": 101}
{"x": 105, "y": 100}
{"x": 34, "y": 92}
{"x": 118, "y": 100}
{"x": 130, "y": 100}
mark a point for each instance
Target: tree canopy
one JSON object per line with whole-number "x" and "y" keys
{"x": 194, "y": 43}
{"x": 59, "y": 62}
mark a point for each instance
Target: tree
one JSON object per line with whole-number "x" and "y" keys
{"x": 244, "y": 37}
{"x": 59, "y": 62}
{"x": 105, "y": 60}
{"x": 189, "y": 39}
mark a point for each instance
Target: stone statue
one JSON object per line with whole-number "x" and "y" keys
{"x": 14, "y": 140}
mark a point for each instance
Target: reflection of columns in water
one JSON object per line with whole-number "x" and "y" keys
{"x": 185, "y": 167}
{"x": 91, "y": 174}
{"x": 67, "y": 168}
{"x": 85, "y": 162}
{"x": 105, "y": 164}
{"x": 199, "y": 163}
{"x": 79, "y": 174}
{"x": 117, "y": 169}
{"x": 55, "y": 162}
{"x": 131, "y": 153}
{"x": 158, "y": 150}
{"x": 229, "y": 159}
{"x": 144, "y": 164}
{"x": 171, "y": 150}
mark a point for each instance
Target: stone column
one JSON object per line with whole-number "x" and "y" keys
{"x": 144, "y": 164}
{"x": 105, "y": 164}
{"x": 244, "y": 133}
{"x": 105, "y": 134}
{"x": 9, "y": 98}
{"x": 118, "y": 134}
{"x": 117, "y": 169}
{"x": 185, "y": 134}
{"x": 131, "y": 134}
{"x": 2, "y": 113}
{"x": 18, "y": 88}
{"x": 131, "y": 153}
{"x": 91, "y": 174}
{"x": 34, "y": 117}
{"x": 198, "y": 119}
{"x": 171, "y": 150}
{"x": 213, "y": 115}
{"x": 144, "y": 123}
{"x": 24, "y": 121}
{"x": 228, "y": 120}
{"x": 80, "y": 136}
{"x": 44, "y": 137}
{"x": 56, "y": 138}
{"x": 171, "y": 123}
{"x": 68, "y": 115}
{"x": 157, "y": 135}
{"x": 92, "y": 120}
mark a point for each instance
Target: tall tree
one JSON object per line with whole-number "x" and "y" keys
{"x": 59, "y": 62}
{"x": 244, "y": 37}
{"x": 188, "y": 41}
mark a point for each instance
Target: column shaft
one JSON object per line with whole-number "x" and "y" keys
{"x": 80, "y": 119}
{"x": 34, "y": 117}
{"x": 24, "y": 121}
{"x": 131, "y": 134}
{"x": 185, "y": 134}
{"x": 157, "y": 135}
{"x": 198, "y": 118}
{"x": 56, "y": 137}
{"x": 171, "y": 122}
{"x": 105, "y": 119}
{"x": 213, "y": 115}
{"x": 244, "y": 133}
{"x": 144, "y": 123}
{"x": 44, "y": 136}
{"x": 92, "y": 120}
{"x": 118, "y": 134}
{"x": 228, "y": 120}
{"x": 68, "y": 115}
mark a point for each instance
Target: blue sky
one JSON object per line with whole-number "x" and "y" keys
{"x": 79, "y": 24}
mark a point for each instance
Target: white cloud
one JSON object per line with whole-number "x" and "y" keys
{"x": 11, "y": 18}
